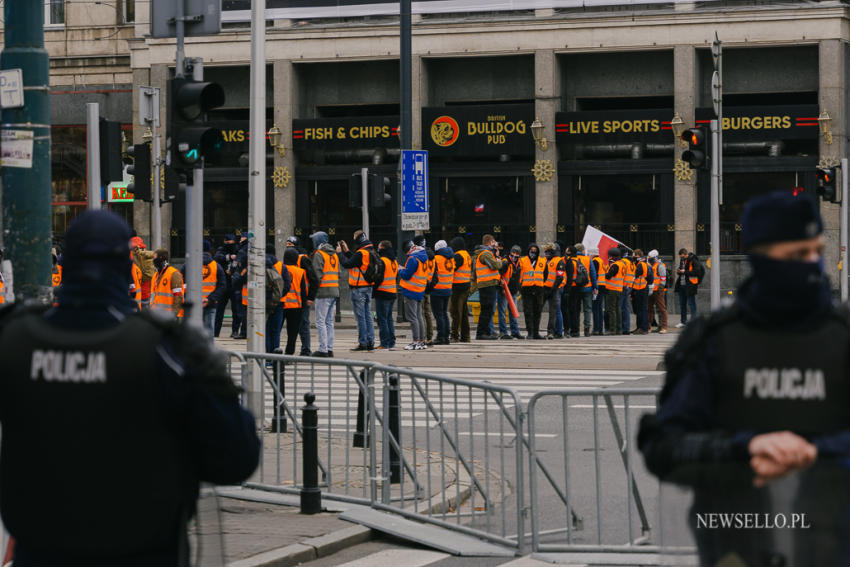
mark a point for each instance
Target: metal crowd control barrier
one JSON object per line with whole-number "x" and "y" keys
{"x": 427, "y": 447}
{"x": 579, "y": 486}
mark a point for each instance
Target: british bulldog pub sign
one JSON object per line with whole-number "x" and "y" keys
{"x": 478, "y": 131}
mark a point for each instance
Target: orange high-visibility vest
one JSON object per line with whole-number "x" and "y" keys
{"x": 135, "y": 286}
{"x": 2, "y": 295}
{"x": 585, "y": 261}
{"x": 629, "y": 275}
{"x": 464, "y": 273}
{"x": 292, "y": 300}
{"x": 640, "y": 281}
{"x": 430, "y": 268}
{"x": 56, "y": 277}
{"x": 531, "y": 275}
{"x": 659, "y": 281}
{"x": 552, "y": 272}
{"x": 616, "y": 283}
{"x": 418, "y": 281}
{"x": 355, "y": 275}
{"x": 692, "y": 279}
{"x": 245, "y": 289}
{"x": 483, "y": 272}
{"x": 210, "y": 273}
{"x": 330, "y": 270}
{"x": 601, "y": 268}
{"x": 389, "y": 285}
{"x": 445, "y": 272}
{"x": 162, "y": 291}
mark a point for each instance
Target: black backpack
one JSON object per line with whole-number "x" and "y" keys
{"x": 374, "y": 272}
{"x": 274, "y": 288}
{"x": 581, "y": 278}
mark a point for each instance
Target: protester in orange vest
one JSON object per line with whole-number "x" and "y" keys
{"x": 385, "y": 293}
{"x": 357, "y": 263}
{"x": 506, "y": 316}
{"x": 167, "y": 288}
{"x": 441, "y": 289}
{"x": 554, "y": 276}
{"x": 326, "y": 267}
{"x": 640, "y": 292}
{"x": 144, "y": 260}
{"x": 305, "y": 264}
{"x": 532, "y": 268}
{"x": 614, "y": 279}
{"x": 690, "y": 274}
{"x": 295, "y": 299}
{"x": 658, "y": 292}
{"x": 598, "y": 307}
{"x": 461, "y": 279}
{"x": 488, "y": 272}
{"x": 213, "y": 286}
{"x": 412, "y": 283}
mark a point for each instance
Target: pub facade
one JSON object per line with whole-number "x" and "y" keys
{"x": 612, "y": 94}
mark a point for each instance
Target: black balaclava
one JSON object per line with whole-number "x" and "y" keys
{"x": 533, "y": 252}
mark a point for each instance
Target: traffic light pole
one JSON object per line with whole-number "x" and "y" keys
{"x": 715, "y": 216}
{"x": 364, "y": 186}
{"x": 844, "y": 221}
{"x": 257, "y": 202}
{"x": 195, "y": 227}
{"x": 93, "y": 140}
{"x": 156, "y": 216}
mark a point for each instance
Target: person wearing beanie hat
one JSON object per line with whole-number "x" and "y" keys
{"x": 413, "y": 280}
{"x": 167, "y": 286}
{"x": 294, "y": 301}
{"x": 760, "y": 388}
{"x": 614, "y": 282}
{"x": 357, "y": 262}
{"x": 213, "y": 287}
{"x": 143, "y": 259}
{"x": 658, "y": 291}
{"x": 598, "y": 306}
{"x": 553, "y": 277}
{"x": 225, "y": 256}
{"x": 95, "y": 360}
{"x": 441, "y": 290}
{"x": 506, "y": 317}
{"x": 305, "y": 264}
{"x": 461, "y": 278}
{"x": 326, "y": 268}
{"x": 488, "y": 270}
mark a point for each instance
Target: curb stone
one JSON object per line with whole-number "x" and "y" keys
{"x": 307, "y": 550}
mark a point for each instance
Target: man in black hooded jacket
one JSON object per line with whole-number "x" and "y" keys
{"x": 143, "y": 401}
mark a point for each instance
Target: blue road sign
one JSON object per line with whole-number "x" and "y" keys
{"x": 414, "y": 190}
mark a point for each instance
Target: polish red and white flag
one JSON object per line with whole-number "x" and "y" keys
{"x": 595, "y": 238}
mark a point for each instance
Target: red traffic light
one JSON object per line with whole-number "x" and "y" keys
{"x": 798, "y": 191}
{"x": 694, "y": 137}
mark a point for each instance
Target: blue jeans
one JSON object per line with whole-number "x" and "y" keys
{"x": 505, "y": 315}
{"x": 440, "y": 306}
{"x": 325, "y": 314}
{"x": 208, "y": 318}
{"x": 598, "y": 313}
{"x": 626, "y": 309}
{"x": 386, "y": 327}
{"x": 274, "y": 322}
{"x": 686, "y": 301}
{"x": 361, "y": 299}
{"x": 304, "y": 331}
{"x": 559, "y": 316}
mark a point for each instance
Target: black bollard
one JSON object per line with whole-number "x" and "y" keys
{"x": 279, "y": 418}
{"x": 311, "y": 496}
{"x": 395, "y": 428}
{"x": 361, "y": 428}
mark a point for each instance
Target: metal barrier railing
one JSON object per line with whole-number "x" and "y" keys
{"x": 398, "y": 440}
{"x": 577, "y": 486}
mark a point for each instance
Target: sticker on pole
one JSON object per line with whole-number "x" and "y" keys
{"x": 414, "y": 190}
{"x": 11, "y": 88}
{"x": 16, "y": 148}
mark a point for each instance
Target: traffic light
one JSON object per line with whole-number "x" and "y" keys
{"x": 190, "y": 139}
{"x": 377, "y": 190}
{"x": 111, "y": 166}
{"x": 174, "y": 183}
{"x": 827, "y": 184}
{"x": 355, "y": 190}
{"x": 698, "y": 153}
{"x": 141, "y": 172}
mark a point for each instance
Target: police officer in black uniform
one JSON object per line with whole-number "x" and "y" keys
{"x": 759, "y": 391}
{"x": 110, "y": 418}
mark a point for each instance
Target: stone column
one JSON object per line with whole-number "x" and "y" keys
{"x": 284, "y": 197}
{"x": 547, "y": 101}
{"x": 832, "y": 91}
{"x": 685, "y": 207}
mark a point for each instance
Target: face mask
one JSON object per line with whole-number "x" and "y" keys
{"x": 159, "y": 264}
{"x": 784, "y": 278}
{"x": 514, "y": 257}
{"x": 533, "y": 254}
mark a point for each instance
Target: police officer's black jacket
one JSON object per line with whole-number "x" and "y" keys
{"x": 110, "y": 421}
{"x": 745, "y": 370}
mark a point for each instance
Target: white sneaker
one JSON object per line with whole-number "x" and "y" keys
{"x": 411, "y": 346}
{"x": 679, "y": 325}
{"x": 421, "y": 346}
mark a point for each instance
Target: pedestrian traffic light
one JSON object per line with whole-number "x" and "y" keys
{"x": 190, "y": 138}
{"x": 378, "y": 185}
{"x": 698, "y": 154}
{"x": 174, "y": 183}
{"x": 111, "y": 166}
{"x": 827, "y": 184}
{"x": 140, "y": 187}
{"x": 355, "y": 190}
